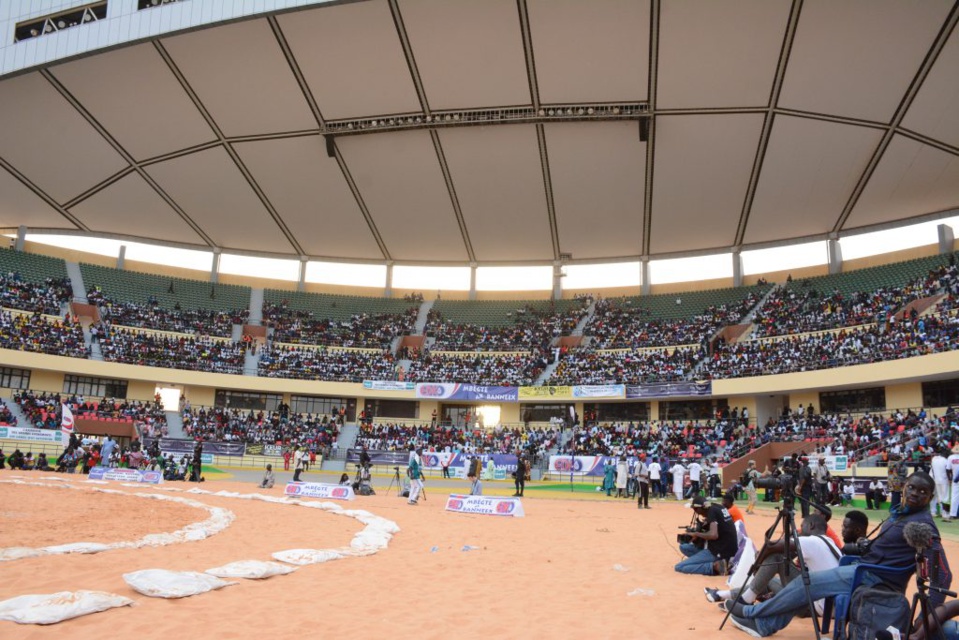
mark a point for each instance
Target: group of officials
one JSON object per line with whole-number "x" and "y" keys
{"x": 773, "y": 596}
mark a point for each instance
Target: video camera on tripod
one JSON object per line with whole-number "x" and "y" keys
{"x": 784, "y": 483}
{"x": 697, "y": 525}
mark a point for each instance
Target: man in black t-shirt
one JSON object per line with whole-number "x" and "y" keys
{"x": 721, "y": 543}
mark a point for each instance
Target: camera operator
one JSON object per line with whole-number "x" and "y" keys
{"x": 719, "y": 535}
{"x": 889, "y": 548}
{"x": 776, "y": 570}
{"x": 365, "y": 460}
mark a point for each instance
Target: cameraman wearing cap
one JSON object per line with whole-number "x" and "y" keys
{"x": 720, "y": 536}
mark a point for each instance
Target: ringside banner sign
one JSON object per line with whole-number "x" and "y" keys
{"x": 126, "y": 475}
{"x": 486, "y": 505}
{"x": 29, "y": 433}
{"x": 319, "y": 490}
{"x": 464, "y": 391}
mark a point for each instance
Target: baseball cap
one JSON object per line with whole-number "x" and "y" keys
{"x": 697, "y": 501}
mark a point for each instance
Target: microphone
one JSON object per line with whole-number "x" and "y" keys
{"x": 919, "y": 536}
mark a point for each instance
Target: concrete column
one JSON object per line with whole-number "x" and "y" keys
{"x": 947, "y": 239}
{"x": 301, "y": 278}
{"x": 388, "y": 290}
{"x": 215, "y": 267}
{"x": 558, "y": 280}
{"x": 122, "y": 257}
{"x": 21, "y": 237}
{"x": 834, "y": 255}
{"x": 472, "y": 295}
{"x": 644, "y": 275}
{"x": 737, "y": 258}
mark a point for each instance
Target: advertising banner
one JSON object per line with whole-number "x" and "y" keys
{"x": 599, "y": 391}
{"x": 503, "y": 462}
{"x": 259, "y": 449}
{"x": 486, "y": 505}
{"x": 581, "y": 465}
{"x": 833, "y": 463}
{"x": 545, "y": 392}
{"x": 126, "y": 475}
{"x": 29, "y": 433}
{"x": 388, "y": 385}
{"x": 205, "y": 458}
{"x": 463, "y": 391}
{"x": 319, "y": 490}
{"x": 665, "y": 389}
{"x": 180, "y": 447}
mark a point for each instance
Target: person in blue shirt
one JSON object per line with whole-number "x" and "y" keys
{"x": 888, "y": 548}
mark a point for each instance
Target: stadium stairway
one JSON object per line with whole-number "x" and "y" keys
{"x": 346, "y": 439}
{"x": 76, "y": 281}
{"x": 256, "y": 307}
{"x": 546, "y": 375}
{"x": 174, "y": 424}
{"x": 759, "y": 305}
{"x": 251, "y": 363}
{"x": 424, "y": 312}
{"x": 17, "y": 413}
{"x": 581, "y": 325}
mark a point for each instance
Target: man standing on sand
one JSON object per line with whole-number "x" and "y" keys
{"x": 520, "y": 476}
{"x": 297, "y": 463}
{"x": 415, "y": 472}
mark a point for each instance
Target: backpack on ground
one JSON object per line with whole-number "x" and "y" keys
{"x": 875, "y": 608}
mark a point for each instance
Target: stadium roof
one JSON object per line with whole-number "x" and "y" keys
{"x": 497, "y": 132}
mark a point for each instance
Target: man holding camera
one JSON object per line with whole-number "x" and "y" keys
{"x": 719, "y": 534}
{"x": 889, "y": 548}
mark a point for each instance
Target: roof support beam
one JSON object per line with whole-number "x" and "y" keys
{"x": 768, "y": 120}
{"x": 646, "y": 240}
{"x": 931, "y": 56}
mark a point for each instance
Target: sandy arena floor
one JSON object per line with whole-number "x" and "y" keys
{"x": 583, "y": 567}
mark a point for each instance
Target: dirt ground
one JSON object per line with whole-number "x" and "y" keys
{"x": 573, "y": 566}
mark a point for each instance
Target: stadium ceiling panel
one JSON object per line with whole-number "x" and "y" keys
{"x": 308, "y": 191}
{"x": 809, "y": 169}
{"x": 857, "y": 58}
{"x": 135, "y": 96}
{"x": 500, "y": 190}
{"x": 488, "y": 131}
{"x": 18, "y": 200}
{"x": 597, "y": 176}
{"x": 108, "y": 211}
{"x": 912, "y": 178}
{"x": 406, "y": 195}
{"x": 475, "y": 59}
{"x": 49, "y": 141}
{"x": 723, "y": 69}
{"x": 352, "y": 59}
{"x": 239, "y": 74}
{"x": 933, "y": 112}
{"x": 701, "y": 175}
{"x": 230, "y": 215}
{"x": 608, "y": 61}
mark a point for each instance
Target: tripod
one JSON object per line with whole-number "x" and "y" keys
{"x": 920, "y": 601}
{"x": 395, "y": 480}
{"x": 790, "y": 538}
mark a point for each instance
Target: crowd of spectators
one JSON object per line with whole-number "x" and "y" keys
{"x": 42, "y": 334}
{"x": 845, "y": 347}
{"x": 153, "y": 316}
{"x": 218, "y": 424}
{"x": 502, "y": 369}
{"x": 791, "y": 310}
{"x": 340, "y": 365}
{"x": 46, "y": 298}
{"x": 6, "y": 416}
{"x": 173, "y": 352}
{"x": 588, "y": 366}
{"x": 361, "y": 330}
{"x": 42, "y": 410}
{"x": 499, "y": 439}
{"x": 530, "y": 328}
{"x": 617, "y": 324}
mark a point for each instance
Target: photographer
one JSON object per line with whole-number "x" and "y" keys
{"x": 719, "y": 534}
{"x": 776, "y": 570}
{"x": 888, "y": 548}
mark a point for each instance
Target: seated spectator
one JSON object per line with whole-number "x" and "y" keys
{"x": 326, "y": 364}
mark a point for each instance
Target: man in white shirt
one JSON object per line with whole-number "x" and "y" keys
{"x": 953, "y": 471}
{"x": 679, "y": 473}
{"x": 940, "y": 474}
{"x": 655, "y": 477}
{"x": 695, "y": 472}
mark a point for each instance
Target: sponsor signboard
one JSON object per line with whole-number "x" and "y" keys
{"x": 486, "y": 505}
{"x": 665, "y": 389}
{"x": 388, "y": 385}
{"x": 126, "y": 475}
{"x": 545, "y": 392}
{"x": 599, "y": 391}
{"x": 29, "y": 433}
{"x": 319, "y": 490}
{"x": 833, "y": 463}
{"x": 205, "y": 458}
{"x": 464, "y": 391}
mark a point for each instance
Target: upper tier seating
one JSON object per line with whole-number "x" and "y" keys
{"x": 33, "y": 283}
{"x": 163, "y": 303}
{"x": 498, "y": 325}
